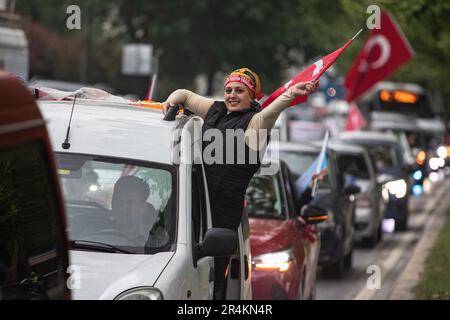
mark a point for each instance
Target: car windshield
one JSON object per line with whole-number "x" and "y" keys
{"x": 300, "y": 161}
{"x": 263, "y": 198}
{"x": 118, "y": 205}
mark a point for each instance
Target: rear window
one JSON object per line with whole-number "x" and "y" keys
{"x": 352, "y": 165}
{"x": 33, "y": 259}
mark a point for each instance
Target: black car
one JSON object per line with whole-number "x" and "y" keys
{"x": 337, "y": 232}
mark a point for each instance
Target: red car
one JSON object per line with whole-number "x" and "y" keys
{"x": 33, "y": 241}
{"x": 285, "y": 242}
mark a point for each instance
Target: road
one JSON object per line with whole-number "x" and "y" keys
{"x": 391, "y": 255}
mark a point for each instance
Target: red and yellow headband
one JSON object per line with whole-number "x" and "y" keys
{"x": 248, "y": 78}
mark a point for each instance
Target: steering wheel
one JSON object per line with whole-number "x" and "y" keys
{"x": 119, "y": 234}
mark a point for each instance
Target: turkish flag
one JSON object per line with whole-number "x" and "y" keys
{"x": 385, "y": 50}
{"x": 355, "y": 119}
{"x": 312, "y": 73}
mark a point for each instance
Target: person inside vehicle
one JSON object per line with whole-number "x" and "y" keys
{"x": 133, "y": 216}
{"x": 227, "y": 182}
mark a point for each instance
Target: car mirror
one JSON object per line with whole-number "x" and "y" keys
{"x": 217, "y": 242}
{"x": 352, "y": 189}
{"x": 314, "y": 214}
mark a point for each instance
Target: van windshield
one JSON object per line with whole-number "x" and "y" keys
{"x": 118, "y": 205}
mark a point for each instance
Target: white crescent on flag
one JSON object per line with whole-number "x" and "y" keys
{"x": 385, "y": 48}
{"x": 319, "y": 67}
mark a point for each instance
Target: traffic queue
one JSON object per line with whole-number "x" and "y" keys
{"x": 138, "y": 211}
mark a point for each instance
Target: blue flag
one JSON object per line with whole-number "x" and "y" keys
{"x": 319, "y": 164}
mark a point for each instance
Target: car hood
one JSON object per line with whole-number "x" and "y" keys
{"x": 105, "y": 275}
{"x": 270, "y": 235}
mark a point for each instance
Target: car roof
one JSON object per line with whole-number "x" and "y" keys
{"x": 367, "y": 136}
{"x": 108, "y": 129}
{"x": 341, "y": 146}
{"x": 303, "y": 146}
{"x": 389, "y": 85}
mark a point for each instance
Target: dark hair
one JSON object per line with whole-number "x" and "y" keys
{"x": 131, "y": 183}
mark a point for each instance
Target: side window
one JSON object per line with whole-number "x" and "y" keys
{"x": 33, "y": 259}
{"x": 199, "y": 216}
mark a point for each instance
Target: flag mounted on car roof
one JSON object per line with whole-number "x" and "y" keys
{"x": 312, "y": 73}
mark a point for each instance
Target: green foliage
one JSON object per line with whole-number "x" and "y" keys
{"x": 435, "y": 280}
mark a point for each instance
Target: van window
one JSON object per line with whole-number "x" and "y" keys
{"x": 199, "y": 215}
{"x": 118, "y": 205}
{"x": 33, "y": 256}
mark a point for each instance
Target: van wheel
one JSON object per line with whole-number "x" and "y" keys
{"x": 372, "y": 240}
{"x": 380, "y": 232}
{"x": 348, "y": 260}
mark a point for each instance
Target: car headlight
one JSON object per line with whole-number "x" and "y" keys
{"x": 144, "y": 293}
{"x": 280, "y": 261}
{"x": 397, "y": 188}
{"x": 442, "y": 152}
{"x": 436, "y": 163}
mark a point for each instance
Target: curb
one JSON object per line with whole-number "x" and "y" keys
{"x": 411, "y": 275}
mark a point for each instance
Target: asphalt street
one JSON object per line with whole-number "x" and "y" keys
{"x": 390, "y": 256}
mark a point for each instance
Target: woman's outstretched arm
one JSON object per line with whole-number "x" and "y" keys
{"x": 194, "y": 102}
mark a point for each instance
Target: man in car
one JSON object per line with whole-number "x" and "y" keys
{"x": 133, "y": 216}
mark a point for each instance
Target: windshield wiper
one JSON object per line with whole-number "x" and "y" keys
{"x": 94, "y": 245}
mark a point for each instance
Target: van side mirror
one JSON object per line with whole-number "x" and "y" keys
{"x": 314, "y": 214}
{"x": 352, "y": 189}
{"x": 218, "y": 242}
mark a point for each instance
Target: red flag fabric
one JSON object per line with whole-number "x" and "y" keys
{"x": 385, "y": 50}
{"x": 355, "y": 119}
{"x": 312, "y": 73}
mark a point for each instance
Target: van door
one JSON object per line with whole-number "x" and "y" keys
{"x": 200, "y": 275}
{"x": 204, "y": 267}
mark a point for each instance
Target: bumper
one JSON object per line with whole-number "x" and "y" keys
{"x": 396, "y": 208}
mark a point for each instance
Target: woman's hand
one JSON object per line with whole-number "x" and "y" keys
{"x": 316, "y": 178}
{"x": 165, "y": 107}
{"x": 304, "y": 88}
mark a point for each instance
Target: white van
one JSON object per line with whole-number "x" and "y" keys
{"x": 161, "y": 249}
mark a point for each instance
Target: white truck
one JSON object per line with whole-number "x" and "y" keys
{"x": 173, "y": 259}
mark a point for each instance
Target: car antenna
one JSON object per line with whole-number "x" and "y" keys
{"x": 66, "y": 144}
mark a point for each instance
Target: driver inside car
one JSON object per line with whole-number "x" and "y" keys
{"x": 133, "y": 215}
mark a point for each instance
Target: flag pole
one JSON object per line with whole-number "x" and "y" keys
{"x": 357, "y": 34}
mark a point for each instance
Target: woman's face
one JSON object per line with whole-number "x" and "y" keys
{"x": 237, "y": 97}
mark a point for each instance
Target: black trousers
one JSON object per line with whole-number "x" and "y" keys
{"x": 220, "y": 279}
